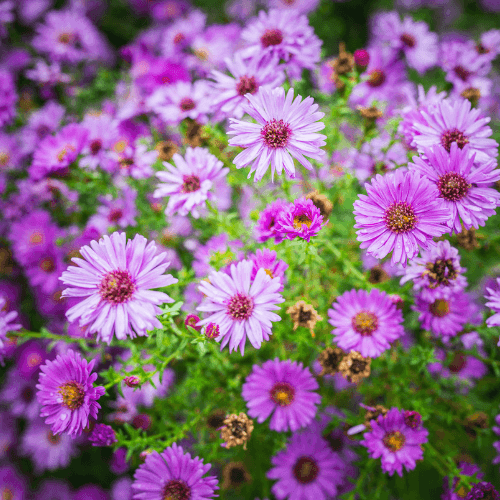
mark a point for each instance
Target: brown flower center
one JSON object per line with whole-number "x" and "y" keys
{"x": 462, "y": 73}
{"x": 358, "y": 366}
{"x": 400, "y": 217}
{"x": 246, "y": 85}
{"x": 4, "y": 158}
{"x": 365, "y": 323}
{"x": 117, "y": 287}
{"x": 305, "y": 470}
{"x": 178, "y": 38}
{"x": 95, "y": 146}
{"x": 53, "y": 438}
{"x": 453, "y": 135}
{"x": 377, "y": 78}
{"x": 394, "y": 440}
{"x": 7, "y": 494}
{"x": 481, "y": 49}
{"x": 453, "y": 186}
{"x": 440, "y": 272}
{"x": 240, "y": 307}
{"x": 47, "y": 265}
{"x": 176, "y": 490}
{"x": 115, "y": 214}
{"x": 271, "y": 37}
{"x": 282, "y": 393}
{"x": 276, "y": 133}
{"x": 440, "y": 308}
{"x": 408, "y": 40}
{"x": 457, "y": 363}
{"x": 191, "y": 183}
{"x": 187, "y": 104}
{"x": 301, "y": 219}
{"x": 72, "y": 394}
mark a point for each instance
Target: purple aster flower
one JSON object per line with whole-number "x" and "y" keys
{"x": 9, "y": 152}
{"x": 173, "y": 474}
{"x": 443, "y": 316}
{"x": 12, "y": 485}
{"x": 190, "y": 183}
{"x": 285, "y": 34}
{"x": 284, "y": 389}
{"x": 455, "y": 492}
{"x": 218, "y": 253}
{"x": 301, "y": 6}
{"x": 267, "y": 224}
{"x": 241, "y": 307}
{"x": 306, "y": 469}
{"x": 463, "y": 187}
{"x": 8, "y": 433}
{"x": 300, "y": 219}
{"x": 19, "y": 393}
{"x": 90, "y": 492}
{"x": 7, "y": 323}
{"x": 489, "y": 44}
{"x": 483, "y": 490}
{"x": 401, "y": 213}
{"x": 286, "y": 129}
{"x": 47, "y": 74}
{"x": 395, "y": 442}
{"x": 67, "y": 394}
{"x": 266, "y": 259}
{"x": 6, "y": 16}
{"x": 365, "y": 322}
{"x": 247, "y": 78}
{"x": 454, "y": 121}
{"x": 47, "y": 451}
{"x": 496, "y": 444}
{"x": 121, "y": 489}
{"x": 179, "y": 35}
{"x": 8, "y": 97}
{"x": 46, "y": 270}
{"x": 102, "y": 435}
{"x": 54, "y": 489}
{"x": 436, "y": 273}
{"x": 493, "y": 297}
{"x": 114, "y": 281}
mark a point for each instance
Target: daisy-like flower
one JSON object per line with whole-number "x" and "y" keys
{"x": 113, "y": 282}
{"x": 401, "y": 213}
{"x": 464, "y": 188}
{"x": 286, "y": 129}
{"x": 300, "y": 219}
{"x": 284, "y": 389}
{"x": 396, "y": 441}
{"x": 173, "y": 474}
{"x": 437, "y": 272}
{"x": 493, "y": 297}
{"x": 267, "y": 223}
{"x": 7, "y": 324}
{"x": 452, "y": 121}
{"x": 190, "y": 182}
{"x": 247, "y": 78}
{"x": 266, "y": 259}
{"x": 241, "y": 307}
{"x": 306, "y": 469}
{"x": 67, "y": 394}
{"x": 365, "y": 322}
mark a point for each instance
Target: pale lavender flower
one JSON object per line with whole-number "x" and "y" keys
{"x": 47, "y": 74}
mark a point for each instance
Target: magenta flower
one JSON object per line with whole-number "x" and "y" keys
{"x": 464, "y": 188}
{"x": 67, "y": 394}
{"x": 239, "y": 306}
{"x": 483, "y": 491}
{"x": 8, "y": 97}
{"x": 190, "y": 183}
{"x": 365, "y": 322}
{"x": 401, "y": 213}
{"x": 113, "y": 282}
{"x": 496, "y": 444}
{"x": 300, "y": 219}
{"x": 7, "y": 323}
{"x": 306, "y": 469}
{"x": 266, "y": 259}
{"x": 452, "y": 121}
{"x": 285, "y": 130}
{"x": 102, "y": 435}
{"x": 493, "y": 297}
{"x": 284, "y": 389}
{"x": 267, "y": 224}
{"x": 395, "y": 442}
{"x": 466, "y": 469}
{"x": 173, "y": 474}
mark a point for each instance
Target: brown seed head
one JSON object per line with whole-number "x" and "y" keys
{"x": 467, "y": 239}
{"x": 330, "y": 360}
{"x": 344, "y": 63}
{"x": 166, "y": 150}
{"x": 236, "y": 430}
{"x": 355, "y": 367}
{"x": 234, "y": 475}
{"x": 322, "y": 202}
{"x": 371, "y": 113}
{"x": 305, "y": 315}
{"x": 195, "y": 134}
{"x": 374, "y": 414}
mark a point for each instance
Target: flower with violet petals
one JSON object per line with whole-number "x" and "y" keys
{"x": 113, "y": 281}
{"x": 464, "y": 188}
{"x": 173, "y": 474}
{"x": 240, "y": 306}
{"x": 365, "y": 322}
{"x": 190, "y": 182}
{"x": 102, "y": 435}
{"x": 267, "y": 223}
{"x": 483, "y": 491}
{"x": 493, "y": 297}
{"x": 7, "y": 324}
{"x": 284, "y": 389}
{"x": 400, "y": 213}
{"x": 266, "y": 259}
{"x": 286, "y": 129}
{"x": 395, "y": 442}
{"x": 300, "y": 219}
{"x": 67, "y": 394}
{"x": 307, "y": 468}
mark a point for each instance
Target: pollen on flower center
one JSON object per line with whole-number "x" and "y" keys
{"x": 66, "y": 38}
{"x": 187, "y": 104}
{"x": 358, "y": 366}
{"x": 7, "y": 494}
{"x": 271, "y": 37}
{"x": 176, "y": 490}
{"x": 365, "y": 323}
{"x": 440, "y": 308}
{"x": 301, "y": 219}
{"x": 117, "y": 286}
{"x": 453, "y": 186}
{"x": 191, "y": 183}
{"x": 305, "y": 470}
{"x": 407, "y": 39}
{"x": 453, "y": 135}
{"x": 377, "y": 78}
{"x": 65, "y": 151}
{"x": 400, "y": 217}
{"x": 246, "y": 85}
{"x": 240, "y": 307}
{"x": 276, "y": 133}
{"x": 394, "y": 440}
{"x": 72, "y": 394}
{"x": 282, "y": 393}
{"x": 440, "y": 272}
{"x": 4, "y": 158}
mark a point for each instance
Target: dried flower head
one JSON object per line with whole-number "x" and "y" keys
{"x": 216, "y": 419}
{"x": 305, "y": 315}
{"x": 322, "y": 202}
{"x": 344, "y": 63}
{"x": 236, "y": 430}
{"x": 467, "y": 239}
{"x": 195, "y": 134}
{"x": 371, "y": 113}
{"x": 166, "y": 150}
{"x": 234, "y": 475}
{"x": 478, "y": 420}
{"x": 330, "y": 359}
{"x": 378, "y": 275}
{"x": 355, "y": 367}
{"x": 372, "y": 413}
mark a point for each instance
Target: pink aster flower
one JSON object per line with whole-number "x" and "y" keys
{"x": 306, "y": 469}
{"x": 173, "y": 474}
{"x": 401, "y": 213}
{"x": 114, "y": 281}
{"x": 493, "y": 297}
{"x": 300, "y": 219}
{"x": 67, "y": 394}
{"x": 285, "y": 130}
{"x": 454, "y": 121}
{"x": 267, "y": 223}
{"x": 464, "y": 189}
{"x": 365, "y": 322}
{"x": 190, "y": 183}
{"x": 284, "y": 389}
{"x": 241, "y": 307}
{"x": 395, "y": 442}
{"x": 266, "y": 259}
